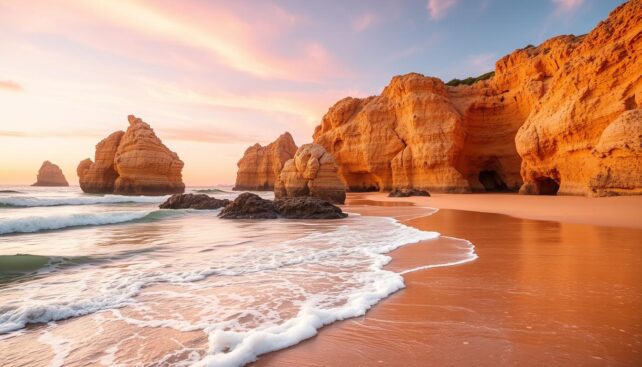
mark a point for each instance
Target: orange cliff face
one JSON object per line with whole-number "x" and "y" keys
{"x": 585, "y": 133}
{"x": 260, "y": 166}
{"x": 134, "y": 162}
{"x": 50, "y": 174}
{"x": 552, "y": 117}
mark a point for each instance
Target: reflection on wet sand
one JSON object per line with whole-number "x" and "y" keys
{"x": 541, "y": 293}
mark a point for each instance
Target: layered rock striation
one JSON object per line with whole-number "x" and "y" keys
{"x": 260, "y": 166}
{"x": 312, "y": 172}
{"x": 50, "y": 174}
{"x": 134, "y": 162}
{"x": 550, "y": 120}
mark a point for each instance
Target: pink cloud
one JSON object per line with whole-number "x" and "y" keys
{"x": 238, "y": 39}
{"x": 439, "y": 8}
{"x": 10, "y": 86}
{"x": 566, "y": 6}
{"x": 364, "y": 21}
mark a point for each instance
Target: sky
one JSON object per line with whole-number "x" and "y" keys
{"x": 213, "y": 77}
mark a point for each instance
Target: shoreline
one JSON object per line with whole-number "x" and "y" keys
{"x": 541, "y": 291}
{"x": 613, "y": 211}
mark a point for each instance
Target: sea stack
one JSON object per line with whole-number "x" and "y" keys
{"x": 134, "y": 162}
{"x": 50, "y": 174}
{"x": 260, "y": 166}
{"x": 312, "y": 172}
{"x": 538, "y": 123}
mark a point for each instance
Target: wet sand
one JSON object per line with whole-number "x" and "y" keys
{"x": 547, "y": 293}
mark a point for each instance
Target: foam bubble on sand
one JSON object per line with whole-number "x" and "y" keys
{"x": 60, "y": 347}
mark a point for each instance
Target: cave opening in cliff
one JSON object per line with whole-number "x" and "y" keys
{"x": 362, "y": 181}
{"x": 547, "y": 186}
{"x": 492, "y": 181}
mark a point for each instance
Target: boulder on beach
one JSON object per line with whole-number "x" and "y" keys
{"x": 404, "y": 193}
{"x": 249, "y": 206}
{"x": 252, "y": 206}
{"x": 312, "y": 172}
{"x": 134, "y": 162}
{"x": 193, "y": 201}
{"x": 50, "y": 174}
{"x": 308, "y": 208}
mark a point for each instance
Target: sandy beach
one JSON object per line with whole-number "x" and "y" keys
{"x": 565, "y": 289}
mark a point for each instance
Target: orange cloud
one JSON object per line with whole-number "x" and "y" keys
{"x": 10, "y": 86}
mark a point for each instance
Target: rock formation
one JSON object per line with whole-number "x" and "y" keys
{"x": 252, "y": 206}
{"x": 404, "y": 193}
{"x": 134, "y": 162}
{"x": 100, "y": 176}
{"x": 312, "y": 172}
{"x": 193, "y": 201}
{"x": 308, "y": 208}
{"x": 551, "y": 118}
{"x": 260, "y": 166}
{"x": 584, "y": 134}
{"x": 50, "y": 174}
{"x": 249, "y": 206}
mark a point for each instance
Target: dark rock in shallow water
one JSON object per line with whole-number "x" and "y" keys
{"x": 252, "y": 206}
{"x": 404, "y": 193}
{"x": 193, "y": 201}
{"x": 308, "y": 208}
{"x": 249, "y": 206}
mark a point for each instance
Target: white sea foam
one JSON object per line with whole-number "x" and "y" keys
{"x": 30, "y": 201}
{"x": 42, "y": 223}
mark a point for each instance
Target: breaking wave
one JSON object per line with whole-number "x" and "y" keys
{"x": 45, "y": 223}
{"x": 29, "y": 201}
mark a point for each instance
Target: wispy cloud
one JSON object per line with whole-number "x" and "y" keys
{"x": 482, "y": 63}
{"x": 236, "y": 38}
{"x": 10, "y": 86}
{"x": 196, "y": 134}
{"x": 209, "y": 136}
{"x": 309, "y": 108}
{"x": 364, "y": 21}
{"x": 439, "y": 8}
{"x": 565, "y": 7}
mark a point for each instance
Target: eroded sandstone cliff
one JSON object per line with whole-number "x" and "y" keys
{"x": 312, "y": 172}
{"x": 552, "y": 118}
{"x": 134, "y": 162}
{"x": 260, "y": 165}
{"x": 50, "y": 174}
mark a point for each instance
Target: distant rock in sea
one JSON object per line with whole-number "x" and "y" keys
{"x": 193, "y": 201}
{"x": 134, "y": 162}
{"x": 260, "y": 166}
{"x": 312, "y": 172}
{"x": 252, "y": 206}
{"x": 50, "y": 174}
{"x": 548, "y": 120}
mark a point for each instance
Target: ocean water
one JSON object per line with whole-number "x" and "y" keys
{"x": 113, "y": 280}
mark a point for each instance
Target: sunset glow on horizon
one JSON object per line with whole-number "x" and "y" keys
{"x": 212, "y": 78}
